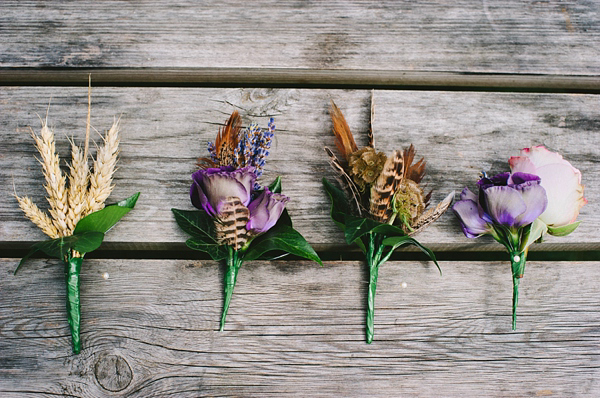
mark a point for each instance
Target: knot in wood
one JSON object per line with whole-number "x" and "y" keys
{"x": 113, "y": 373}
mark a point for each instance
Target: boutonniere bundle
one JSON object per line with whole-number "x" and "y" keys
{"x": 78, "y": 217}
{"x": 542, "y": 194}
{"x": 384, "y": 204}
{"x": 239, "y": 220}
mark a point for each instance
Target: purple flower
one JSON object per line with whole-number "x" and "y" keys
{"x": 265, "y": 210}
{"x": 510, "y": 200}
{"x": 212, "y": 186}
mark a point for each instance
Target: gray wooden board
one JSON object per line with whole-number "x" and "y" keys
{"x": 296, "y": 328}
{"x": 165, "y": 129}
{"x": 466, "y": 36}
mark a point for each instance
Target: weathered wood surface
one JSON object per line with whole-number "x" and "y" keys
{"x": 165, "y": 129}
{"x": 541, "y": 37}
{"x": 295, "y": 328}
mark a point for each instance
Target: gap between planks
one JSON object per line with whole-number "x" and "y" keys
{"x": 301, "y": 78}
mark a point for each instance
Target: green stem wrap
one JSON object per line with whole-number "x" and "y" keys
{"x": 374, "y": 251}
{"x": 72, "y": 270}
{"x": 517, "y": 262}
{"x": 233, "y": 266}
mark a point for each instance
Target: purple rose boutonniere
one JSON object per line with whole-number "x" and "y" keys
{"x": 239, "y": 220}
{"x": 542, "y": 194}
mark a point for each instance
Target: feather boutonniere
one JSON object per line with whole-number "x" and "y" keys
{"x": 78, "y": 217}
{"x": 239, "y": 220}
{"x": 383, "y": 204}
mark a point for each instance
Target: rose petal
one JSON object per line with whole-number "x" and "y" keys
{"x": 467, "y": 212}
{"x": 504, "y": 204}
{"x": 540, "y": 156}
{"x": 564, "y": 191}
{"x": 521, "y": 164}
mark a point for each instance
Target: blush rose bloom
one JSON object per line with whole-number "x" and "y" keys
{"x": 559, "y": 178}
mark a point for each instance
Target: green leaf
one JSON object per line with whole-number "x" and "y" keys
{"x": 397, "y": 241}
{"x": 275, "y": 186}
{"x": 536, "y": 230}
{"x": 105, "y": 219}
{"x": 339, "y": 203}
{"x": 83, "y": 242}
{"x": 196, "y": 223}
{"x": 357, "y": 227}
{"x": 564, "y": 230}
{"x": 281, "y": 238}
{"x": 216, "y": 252}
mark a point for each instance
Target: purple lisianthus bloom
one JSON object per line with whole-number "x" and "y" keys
{"x": 212, "y": 186}
{"x": 265, "y": 210}
{"x": 510, "y": 200}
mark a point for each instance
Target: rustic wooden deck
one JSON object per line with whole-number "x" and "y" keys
{"x": 468, "y": 83}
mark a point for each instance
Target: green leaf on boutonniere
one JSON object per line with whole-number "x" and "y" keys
{"x": 275, "y": 186}
{"x": 216, "y": 252}
{"x": 339, "y": 203}
{"x": 398, "y": 241}
{"x": 83, "y": 242}
{"x": 282, "y": 237}
{"x": 196, "y": 223}
{"x": 105, "y": 219}
{"x": 564, "y": 230}
{"x": 201, "y": 227}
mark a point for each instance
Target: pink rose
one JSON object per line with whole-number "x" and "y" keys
{"x": 560, "y": 179}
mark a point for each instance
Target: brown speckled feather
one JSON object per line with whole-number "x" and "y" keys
{"x": 432, "y": 214}
{"x": 231, "y": 223}
{"x": 385, "y": 187}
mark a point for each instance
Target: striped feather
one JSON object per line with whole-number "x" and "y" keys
{"x": 385, "y": 187}
{"x": 231, "y": 223}
{"x": 225, "y": 144}
{"x": 432, "y": 214}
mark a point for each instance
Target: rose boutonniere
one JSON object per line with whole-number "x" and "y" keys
{"x": 383, "y": 206}
{"x": 239, "y": 220}
{"x": 542, "y": 194}
{"x": 78, "y": 218}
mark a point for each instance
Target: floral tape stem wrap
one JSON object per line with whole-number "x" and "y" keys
{"x": 239, "y": 220}
{"x": 542, "y": 194}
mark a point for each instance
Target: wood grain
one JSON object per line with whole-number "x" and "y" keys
{"x": 460, "y": 36}
{"x": 295, "y": 327}
{"x": 165, "y": 129}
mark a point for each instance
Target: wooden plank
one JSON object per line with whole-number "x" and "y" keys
{"x": 165, "y": 129}
{"x": 299, "y": 78}
{"x": 296, "y": 327}
{"x": 459, "y": 36}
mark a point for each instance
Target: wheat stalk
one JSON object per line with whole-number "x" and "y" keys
{"x": 55, "y": 181}
{"x": 104, "y": 169}
{"x": 37, "y": 216}
{"x": 78, "y": 186}
{"x": 86, "y": 192}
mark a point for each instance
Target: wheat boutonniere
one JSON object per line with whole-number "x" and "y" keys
{"x": 77, "y": 217}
